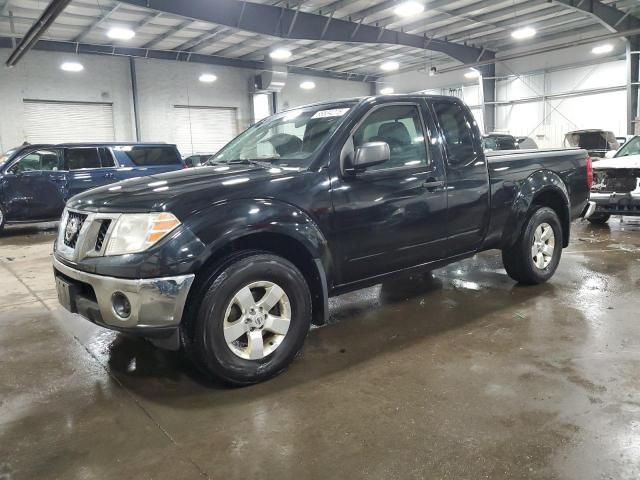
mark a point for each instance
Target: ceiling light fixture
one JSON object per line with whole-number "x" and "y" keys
{"x": 602, "y": 49}
{"x": 390, "y": 66}
{"x": 72, "y": 67}
{"x": 121, "y": 33}
{"x": 409, "y": 9}
{"x": 524, "y": 33}
{"x": 308, "y": 85}
{"x": 280, "y": 54}
{"x": 473, "y": 73}
{"x": 387, "y": 91}
{"x": 208, "y": 78}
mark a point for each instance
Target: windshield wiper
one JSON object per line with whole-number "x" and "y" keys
{"x": 265, "y": 162}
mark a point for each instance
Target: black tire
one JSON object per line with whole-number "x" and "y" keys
{"x": 209, "y": 349}
{"x": 518, "y": 259}
{"x": 599, "y": 218}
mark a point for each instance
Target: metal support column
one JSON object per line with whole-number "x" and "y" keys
{"x": 489, "y": 96}
{"x": 134, "y": 94}
{"x": 633, "y": 75}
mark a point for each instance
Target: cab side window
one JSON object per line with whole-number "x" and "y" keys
{"x": 39, "y": 161}
{"x": 400, "y": 126}
{"x": 83, "y": 158}
{"x": 457, "y": 131}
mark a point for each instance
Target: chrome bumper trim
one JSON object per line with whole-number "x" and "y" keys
{"x": 155, "y": 302}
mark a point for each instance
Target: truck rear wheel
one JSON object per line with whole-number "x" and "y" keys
{"x": 252, "y": 320}
{"x": 535, "y": 256}
{"x": 599, "y": 218}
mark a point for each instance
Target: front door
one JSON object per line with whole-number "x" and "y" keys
{"x": 35, "y": 186}
{"x": 391, "y": 216}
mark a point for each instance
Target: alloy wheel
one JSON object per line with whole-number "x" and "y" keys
{"x": 257, "y": 320}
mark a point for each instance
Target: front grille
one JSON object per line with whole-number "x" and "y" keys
{"x": 72, "y": 228}
{"x": 615, "y": 180}
{"x": 102, "y": 233}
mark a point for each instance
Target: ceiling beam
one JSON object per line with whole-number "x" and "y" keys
{"x": 90, "y": 49}
{"x": 103, "y": 18}
{"x": 613, "y": 19}
{"x": 288, "y": 23}
{"x": 41, "y": 25}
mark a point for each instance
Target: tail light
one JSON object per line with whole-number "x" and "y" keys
{"x": 589, "y": 172}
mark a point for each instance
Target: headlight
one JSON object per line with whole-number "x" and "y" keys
{"x": 136, "y": 232}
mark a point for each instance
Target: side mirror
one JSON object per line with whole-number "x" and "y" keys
{"x": 610, "y": 154}
{"x": 370, "y": 154}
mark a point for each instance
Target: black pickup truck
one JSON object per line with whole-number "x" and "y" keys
{"x": 234, "y": 261}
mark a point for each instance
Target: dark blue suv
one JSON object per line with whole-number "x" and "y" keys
{"x": 37, "y": 180}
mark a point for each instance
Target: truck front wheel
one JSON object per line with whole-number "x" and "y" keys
{"x": 535, "y": 256}
{"x": 252, "y": 320}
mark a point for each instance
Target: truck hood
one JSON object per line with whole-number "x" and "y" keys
{"x": 631, "y": 161}
{"x": 182, "y": 193}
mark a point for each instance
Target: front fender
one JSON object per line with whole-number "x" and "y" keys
{"x": 538, "y": 183}
{"x": 227, "y": 221}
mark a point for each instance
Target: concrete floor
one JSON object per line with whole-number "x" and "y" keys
{"x": 462, "y": 376}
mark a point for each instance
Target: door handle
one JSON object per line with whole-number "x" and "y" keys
{"x": 431, "y": 184}
{"x": 108, "y": 175}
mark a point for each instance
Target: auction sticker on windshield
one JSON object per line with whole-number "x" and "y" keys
{"x": 336, "y": 112}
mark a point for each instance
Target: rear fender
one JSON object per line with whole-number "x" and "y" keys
{"x": 543, "y": 184}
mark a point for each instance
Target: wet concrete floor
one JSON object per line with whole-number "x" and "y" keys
{"x": 462, "y": 375}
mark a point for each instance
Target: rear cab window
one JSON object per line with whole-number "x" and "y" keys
{"x": 456, "y": 126}
{"x": 147, "y": 156}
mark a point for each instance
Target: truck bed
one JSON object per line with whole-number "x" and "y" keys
{"x": 510, "y": 171}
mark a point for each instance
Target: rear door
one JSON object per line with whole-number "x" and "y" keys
{"x": 85, "y": 170}
{"x": 467, "y": 177}
{"x": 35, "y": 186}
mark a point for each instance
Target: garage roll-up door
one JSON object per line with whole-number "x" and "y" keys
{"x": 204, "y": 129}
{"x": 60, "y": 122}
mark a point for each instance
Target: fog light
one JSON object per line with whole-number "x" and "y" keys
{"x": 121, "y": 305}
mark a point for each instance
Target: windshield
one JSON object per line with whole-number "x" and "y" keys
{"x": 289, "y": 139}
{"x": 632, "y": 147}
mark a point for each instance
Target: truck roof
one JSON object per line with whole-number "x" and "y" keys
{"x": 98, "y": 144}
{"x": 356, "y": 100}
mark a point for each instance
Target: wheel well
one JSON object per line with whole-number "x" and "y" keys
{"x": 555, "y": 201}
{"x": 277, "y": 244}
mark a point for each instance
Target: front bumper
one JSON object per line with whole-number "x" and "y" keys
{"x": 157, "y": 304}
{"x": 616, "y": 203}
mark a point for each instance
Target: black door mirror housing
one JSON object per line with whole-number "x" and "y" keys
{"x": 370, "y": 154}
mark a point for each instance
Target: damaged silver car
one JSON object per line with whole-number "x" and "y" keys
{"x": 616, "y": 184}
